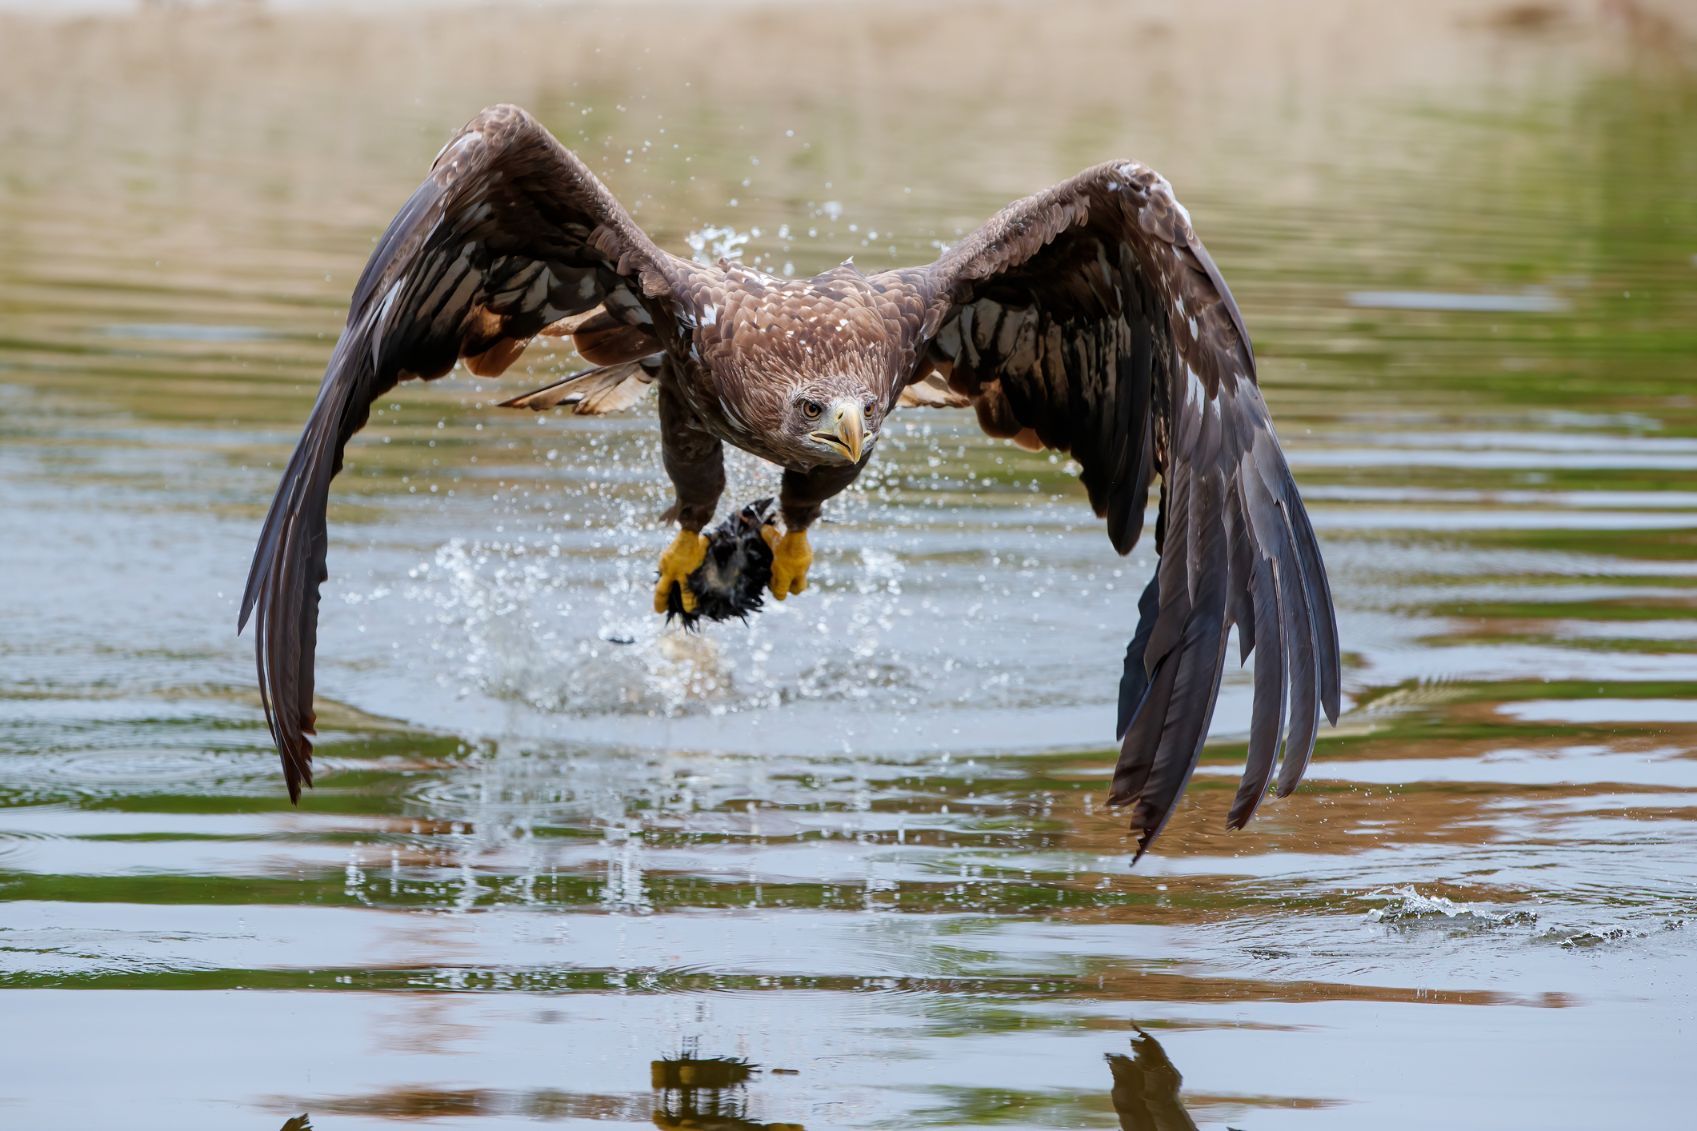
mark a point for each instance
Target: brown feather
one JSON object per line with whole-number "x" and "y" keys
{"x": 1028, "y": 439}
{"x": 496, "y": 360}
{"x": 566, "y": 327}
{"x": 603, "y": 339}
{"x": 932, "y": 391}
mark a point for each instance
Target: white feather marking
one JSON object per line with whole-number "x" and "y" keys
{"x": 383, "y": 321}
{"x": 728, "y": 410}
{"x": 1167, "y": 188}
{"x": 948, "y": 339}
{"x": 388, "y": 301}
{"x": 457, "y": 144}
{"x": 1194, "y": 392}
{"x": 1192, "y": 324}
{"x": 467, "y": 281}
{"x": 539, "y": 288}
{"x": 709, "y": 316}
{"x": 629, "y": 305}
{"x": 462, "y": 294}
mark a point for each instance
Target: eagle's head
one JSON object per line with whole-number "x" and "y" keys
{"x": 833, "y": 420}
{"x": 803, "y": 368}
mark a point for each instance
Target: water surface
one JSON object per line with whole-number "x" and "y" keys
{"x": 849, "y": 866}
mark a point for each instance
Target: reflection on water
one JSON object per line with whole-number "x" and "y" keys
{"x": 711, "y": 1094}
{"x": 1146, "y": 1087}
{"x": 553, "y": 841}
{"x": 694, "y": 1093}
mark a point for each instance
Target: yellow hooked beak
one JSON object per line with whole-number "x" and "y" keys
{"x": 843, "y": 428}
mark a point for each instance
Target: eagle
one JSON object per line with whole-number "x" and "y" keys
{"x": 1087, "y": 319}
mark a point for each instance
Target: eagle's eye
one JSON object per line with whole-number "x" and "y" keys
{"x": 811, "y": 409}
{"x": 868, "y": 407}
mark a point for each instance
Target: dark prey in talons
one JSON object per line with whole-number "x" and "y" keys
{"x": 1087, "y": 319}
{"x": 730, "y": 580}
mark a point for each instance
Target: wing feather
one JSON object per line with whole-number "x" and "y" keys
{"x": 597, "y": 391}
{"x": 932, "y": 391}
{"x": 1091, "y": 315}
{"x": 508, "y": 235}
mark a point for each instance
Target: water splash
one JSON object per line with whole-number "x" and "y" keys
{"x": 516, "y": 626}
{"x": 1607, "y": 936}
{"x": 1405, "y": 906}
{"x": 711, "y": 243}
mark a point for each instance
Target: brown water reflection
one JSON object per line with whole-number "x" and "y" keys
{"x": 541, "y": 860}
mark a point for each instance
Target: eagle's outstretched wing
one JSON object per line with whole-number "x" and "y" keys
{"x": 509, "y": 234}
{"x": 1089, "y": 319}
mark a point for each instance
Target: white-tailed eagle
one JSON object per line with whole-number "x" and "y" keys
{"x": 1087, "y": 319}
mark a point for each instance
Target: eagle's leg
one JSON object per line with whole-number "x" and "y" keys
{"x": 695, "y": 462}
{"x": 800, "y": 500}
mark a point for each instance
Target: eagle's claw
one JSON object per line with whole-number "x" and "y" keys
{"x": 791, "y": 555}
{"x": 682, "y": 558}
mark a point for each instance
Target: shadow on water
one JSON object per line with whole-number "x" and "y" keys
{"x": 551, "y": 837}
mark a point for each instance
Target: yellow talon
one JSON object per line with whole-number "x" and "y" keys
{"x": 791, "y": 555}
{"x": 682, "y": 558}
